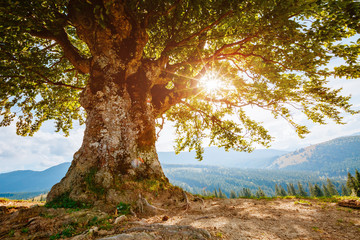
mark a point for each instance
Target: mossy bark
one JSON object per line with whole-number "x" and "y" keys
{"x": 119, "y": 140}
{"x": 118, "y": 149}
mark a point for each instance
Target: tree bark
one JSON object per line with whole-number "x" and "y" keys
{"x": 118, "y": 156}
{"x": 119, "y": 139}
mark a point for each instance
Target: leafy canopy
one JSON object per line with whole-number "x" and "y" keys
{"x": 268, "y": 54}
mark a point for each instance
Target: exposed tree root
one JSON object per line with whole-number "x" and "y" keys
{"x": 187, "y": 202}
{"x": 145, "y": 207}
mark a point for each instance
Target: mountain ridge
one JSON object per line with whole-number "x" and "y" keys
{"x": 336, "y": 156}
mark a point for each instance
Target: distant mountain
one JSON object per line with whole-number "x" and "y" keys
{"x": 32, "y": 181}
{"x": 336, "y": 157}
{"x": 214, "y": 156}
{"x": 197, "y": 179}
{"x": 37, "y": 181}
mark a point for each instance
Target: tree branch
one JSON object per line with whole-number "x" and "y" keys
{"x": 182, "y": 42}
{"x": 71, "y": 53}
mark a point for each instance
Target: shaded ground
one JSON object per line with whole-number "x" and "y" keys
{"x": 208, "y": 219}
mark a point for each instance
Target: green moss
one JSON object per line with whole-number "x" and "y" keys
{"x": 91, "y": 183}
{"x": 64, "y": 201}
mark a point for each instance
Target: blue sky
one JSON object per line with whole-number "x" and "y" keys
{"x": 48, "y": 148}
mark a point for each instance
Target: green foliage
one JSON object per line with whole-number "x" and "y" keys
{"x": 317, "y": 191}
{"x": 301, "y": 191}
{"x": 291, "y": 189}
{"x": 25, "y": 230}
{"x": 331, "y": 188}
{"x": 63, "y": 201}
{"x": 345, "y": 191}
{"x": 123, "y": 208}
{"x": 221, "y": 194}
{"x": 245, "y": 193}
{"x": 282, "y": 191}
{"x": 354, "y": 183}
{"x": 68, "y": 231}
{"x": 260, "y": 193}
{"x": 271, "y": 55}
{"x": 326, "y": 191}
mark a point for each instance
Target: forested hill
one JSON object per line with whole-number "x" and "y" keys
{"x": 214, "y": 156}
{"x": 334, "y": 157}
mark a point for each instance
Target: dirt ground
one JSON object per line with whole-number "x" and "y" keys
{"x": 216, "y": 218}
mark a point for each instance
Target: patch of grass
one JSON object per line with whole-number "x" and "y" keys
{"x": 55, "y": 236}
{"x": 123, "y": 208}
{"x": 317, "y": 229}
{"x": 219, "y": 234}
{"x": 304, "y": 202}
{"x": 101, "y": 223}
{"x": 106, "y": 226}
{"x": 11, "y": 233}
{"x": 204, "y": 197}
{"x": 25, "y": 230}
{"x": 69, "y": 231}
{"x": 63, "y": 201}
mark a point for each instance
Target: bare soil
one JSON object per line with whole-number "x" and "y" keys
{"x": 205, "y": 219}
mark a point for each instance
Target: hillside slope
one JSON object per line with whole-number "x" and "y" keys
{"x": 32, "y": 181}
{"x": 214, "y": 156}
{"x": 336, "y": 157}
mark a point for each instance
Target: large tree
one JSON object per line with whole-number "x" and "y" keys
{"x": 125, "y": 66}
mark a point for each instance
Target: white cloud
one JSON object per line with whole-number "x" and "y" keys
{"x": 44, "y": 150}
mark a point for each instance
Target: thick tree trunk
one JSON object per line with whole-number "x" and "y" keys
{"x": 119, "y": 140}
{"x": 117, "y": 159}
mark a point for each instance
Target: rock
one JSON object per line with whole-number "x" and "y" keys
{"x": 120, "y": 219}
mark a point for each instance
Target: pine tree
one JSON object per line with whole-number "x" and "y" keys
{"x": 277, "y": 190}
{"x": 245, "y": 193}
{"x": 301, "y": 191}
{"x": 311, "y": 190}
{"x": 317, "y": 191}
{"x": 345, "y": 191}
{"x": 221, "y": 194}
{"x": 326, "y": 191}
{"x": 232, "y": 194}
{"x": 354, "y": 183}
{"x": 291, "y": 189}
{"x": 260, "y": 193}
{"x": 216, "y": 193}
{"x": 331, "y": 187}
{"x": 282, "y": 191}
